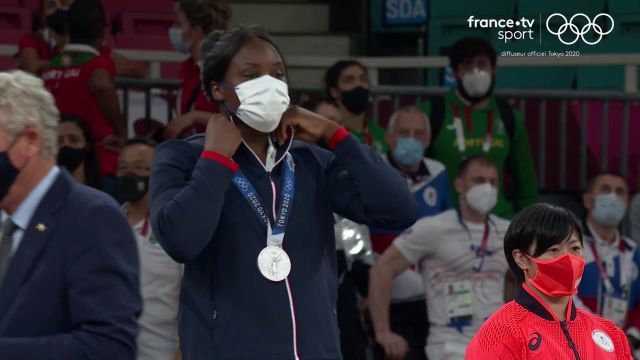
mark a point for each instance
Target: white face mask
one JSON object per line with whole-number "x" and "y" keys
{"x": 609, "y": 209}
{"x": 262, "y": 102}
{"x": 477, "y": 82}
{"x": 482, "y": 198}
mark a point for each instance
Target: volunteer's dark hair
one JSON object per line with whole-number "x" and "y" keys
{"x": 140, "y": 141}
{"x": 482, "y": 160}
{"x": 332, "y": 75}
{"x": 313, "y": 104}
{"x": 208, "y": 14}
{"x": 543, "y": 223}
{"x": 220, "y": 47}
{"x": 92, "y": 174}
{"x": 592, "y": 180}
{"x": 87, "y": 20}
{"x": 470, "y": 47}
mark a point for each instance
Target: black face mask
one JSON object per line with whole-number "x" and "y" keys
{"x": 356, "y": 100}
{"x": 58, "y": 22}
{"x": 71, "y": 158}
{"x": 132, "y": 188}
{"x": 8, "y": 174}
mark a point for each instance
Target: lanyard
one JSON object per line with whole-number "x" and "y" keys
{"x": 275, "y": 234}
{"x": 457, "y": 122}
{"x": 484, "y": 244}
{"x": 145, "y": 227}
{"x": 624, "y": 268}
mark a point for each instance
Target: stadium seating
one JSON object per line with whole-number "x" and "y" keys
{"x": 450, "y": 9}
{"x": 14, "y": 22}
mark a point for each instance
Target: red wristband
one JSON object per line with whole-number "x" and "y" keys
{"x": 337, "y": 137}
{"x": 227, "y": 162}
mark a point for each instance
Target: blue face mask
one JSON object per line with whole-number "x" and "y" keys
{"x": 609, "y": 209}
{"x": 178, "y": 43}
{"x": 408, "y": 151}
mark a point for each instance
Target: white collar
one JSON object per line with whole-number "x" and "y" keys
{"x": 81, "y": 48}
{"x": 601, "y": 242}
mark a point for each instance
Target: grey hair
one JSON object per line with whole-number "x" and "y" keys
{"x": 408, "y": 110}
{"x": 24, "y": 102}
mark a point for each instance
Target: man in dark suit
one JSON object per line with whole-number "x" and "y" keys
{"x": 69, "y": 286}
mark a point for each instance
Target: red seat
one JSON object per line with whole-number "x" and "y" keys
{"x": 10, "y": 3}
{"x": 14, "y": 22}
{"x": 145, "y": 31}
{"x": 147, "y": 6}
{"x": 7, "y": 63}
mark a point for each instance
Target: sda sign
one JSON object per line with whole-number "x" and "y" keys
{"x": 405, "y": 12}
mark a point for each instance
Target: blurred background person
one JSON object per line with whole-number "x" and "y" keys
{"x": 470, "y": 120}
{"x": 610, "y": 286}
{"x": 35, "y": 50}
{"x": 409, "y": 135}
{"x": 460, "y": 256}
{"x": 83, "y": 82}
{"x": 325, "y": 108}
{"x": 347, "y": 84}
{"x": 77, "y": 153}
{"x": 195, "y": 19}
{"x": 160, "y": 276}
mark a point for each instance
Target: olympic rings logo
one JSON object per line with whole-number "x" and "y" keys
{"x": 580, "y": 32}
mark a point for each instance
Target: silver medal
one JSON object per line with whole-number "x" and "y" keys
{"x": 274, "y": 263}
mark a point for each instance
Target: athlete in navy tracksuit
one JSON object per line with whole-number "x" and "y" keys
{"x": 228, "y": 309}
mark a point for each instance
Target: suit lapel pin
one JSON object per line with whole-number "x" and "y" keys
{"x": 41, "y": 227}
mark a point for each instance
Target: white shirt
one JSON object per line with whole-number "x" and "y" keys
{"x": 23, "y": 214}
{"x": 446, "y": 254}
{"x": 160, "y": 281}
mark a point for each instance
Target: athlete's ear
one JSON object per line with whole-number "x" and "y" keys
{"x": 521, "y": 259}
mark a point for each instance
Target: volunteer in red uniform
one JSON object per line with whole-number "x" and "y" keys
{"x": 543, "y": 246}
{"x": 195, "y": 19}
{"x": 35, "y": 50}
{"x": 82, "y": 81}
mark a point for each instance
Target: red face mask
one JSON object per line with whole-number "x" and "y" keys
{"x": 558, "y": 277}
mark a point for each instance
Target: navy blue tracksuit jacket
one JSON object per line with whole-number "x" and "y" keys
{"x": 228, "y": 310}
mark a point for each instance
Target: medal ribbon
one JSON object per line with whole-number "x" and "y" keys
{"x": 275, "y": 234}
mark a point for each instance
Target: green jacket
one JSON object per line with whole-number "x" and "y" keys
{"x": 513, "y": 157}
{"x": 378, "y": 141}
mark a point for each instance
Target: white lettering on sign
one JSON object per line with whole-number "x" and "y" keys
{"x": 405, "y": 9}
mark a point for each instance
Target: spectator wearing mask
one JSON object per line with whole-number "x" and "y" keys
{"x": 35, "y": 50}
{"x": 610, "y": 286}
{"x": 544, "y": 248}
{"x": 409, "y": 134}
{"x": 160, "y": 276}
{"x": 256, "y": 288}
{"x": 347, "y": 84}
{"x": 460, "y": 256}
{"x": 195, "y": 20}
{"x": 82, "y": 81}
{"x": 470, "y": 120}
{"x": 77, "y": 153}
{"x": 68, "y": 260}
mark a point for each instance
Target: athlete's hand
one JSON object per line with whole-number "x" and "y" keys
{"x": 222, "y": 136}
{"x": 395, "y": 346}
{"x": 308, "y": 126}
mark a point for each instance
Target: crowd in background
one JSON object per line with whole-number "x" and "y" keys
{"x": 464, "y": 157}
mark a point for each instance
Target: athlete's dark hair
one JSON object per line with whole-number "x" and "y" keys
{"x": 470, "y": 47}
{"x": 542, "y": 223}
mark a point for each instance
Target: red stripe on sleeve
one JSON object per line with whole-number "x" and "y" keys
{"x": 212, "y": 155}
{"x": 337, "y": 138}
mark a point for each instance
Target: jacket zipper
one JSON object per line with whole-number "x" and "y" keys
{"x": 565, "y": 330}
{"x": 289, "y": 292}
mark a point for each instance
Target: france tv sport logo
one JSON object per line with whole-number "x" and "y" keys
{"x": 579, "y": 30}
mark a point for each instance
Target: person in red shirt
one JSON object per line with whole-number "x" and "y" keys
{"x": 195, "y": 19}
{"x": 543, "y": 246}
{"x": 82, "y": 82}
{"x": 35, "y": 50}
